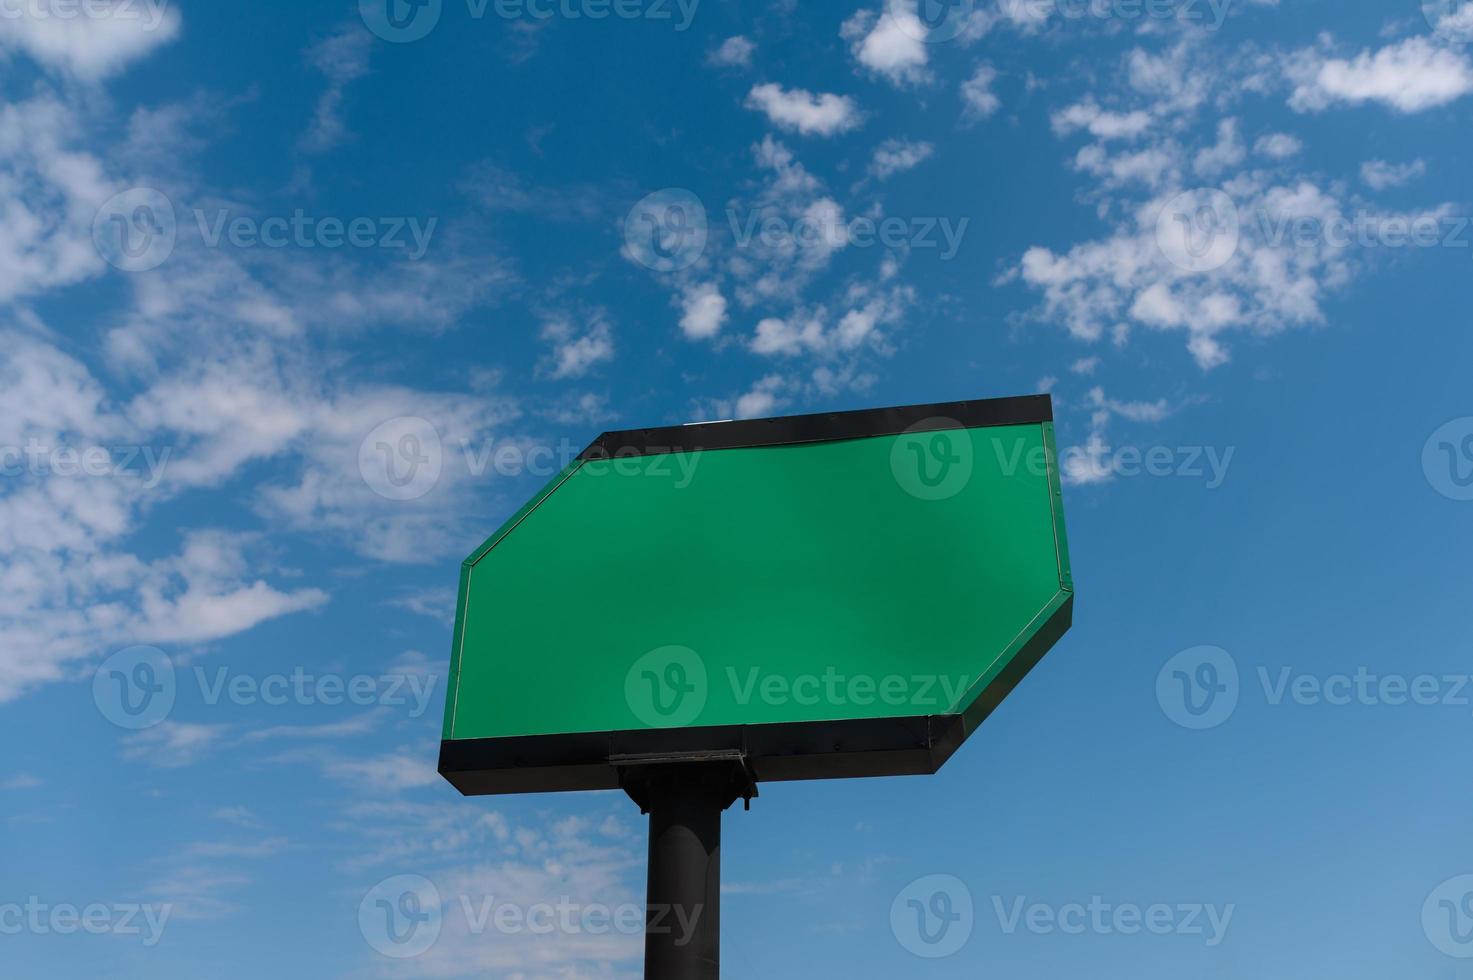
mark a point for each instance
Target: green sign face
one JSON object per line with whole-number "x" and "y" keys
{"x": 826, "y": 595}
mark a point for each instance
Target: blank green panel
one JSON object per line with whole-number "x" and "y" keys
{"x": 886, "y": 556}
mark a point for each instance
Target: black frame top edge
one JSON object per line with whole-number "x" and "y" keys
{"x": 822, "y": 427}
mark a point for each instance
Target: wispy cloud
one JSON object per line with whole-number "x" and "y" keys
{"x": 1410, "y": 76}
{"x": 734, "y": 52}
{"x": 342, "y": 59}
{"x": 802, "y": 111}
{"x": 172, "y": 744}
{"x": 896, "y": 156}
{"x": 1380, "y": 175}
{"x": 97, "y": 40}
{"x": 890, "y": 43}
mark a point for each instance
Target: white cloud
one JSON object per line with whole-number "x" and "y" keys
{"x": 1251, "y": 271}
{"x": 196, "y": 892}
{"x": 891, "y": 44}
{"x": 360, "y": 725}
{"x": 807, "y": 333}
{"x": 587, "y": 409}
{"x": 1154, "y": 411}
{"x": 1152, "y": 166}
{"x": 763, "y": 399}
{"x": 342, "y": 58}
{"x": 52, "y": 187}
{"x": 1267, "y": 283}
{"x": 896, "y": 156}
{"x": 1278, "y": 146}
{"x": 856, "y": 326}
{"x": 1100, "y": 123}
{"x": 210, "y": 605}
{"x": 1087, "y": 463}
{"x": 575, "y": 352}
{"x": 1455, "y": 19}
{"x": 1411, "y": 76}
{"x": 809, "y": 224}
{"x": 483, "y": 863}
{"x": 498, "y": 189}
{"x": 240, "y": 816}
{"x": 1228, "y": 152}
{"x": 978, "y": 99}
{"x": 797, "y": 109}
{"x": 224, "y": 417}
{"x": 776, "y": 335}
{"x": 734, "y": 52}
{"x": 200, "y": 873}
{"x": 703, "y": 311}
{"x": 395, "y": 830}
{"x": 264, "y": 848}
{"x": 1177, "y": 81}
{"x": 1027, "y": 16}
{"x": 387, "y": 774}
{"x": 1381, "y": 175}
{"x": 89, "y": 41}
{"x": 210, "y": 349}
{"x": 172, "y": 744}
{"x": 68, "y": 592}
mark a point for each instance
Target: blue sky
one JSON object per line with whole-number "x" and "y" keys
{"x": 242, "y": 248}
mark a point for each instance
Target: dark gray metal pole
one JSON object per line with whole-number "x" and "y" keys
{"x": 682, "y": 939}
{"x": 684, "y": 796}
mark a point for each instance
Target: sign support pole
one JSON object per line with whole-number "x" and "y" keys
{"x": 684, "y": 800}
{"x": 682, "y": 939}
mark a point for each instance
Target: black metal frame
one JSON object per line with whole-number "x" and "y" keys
{"x": 912, "y": 745}
{"x": 792, "y": 430}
